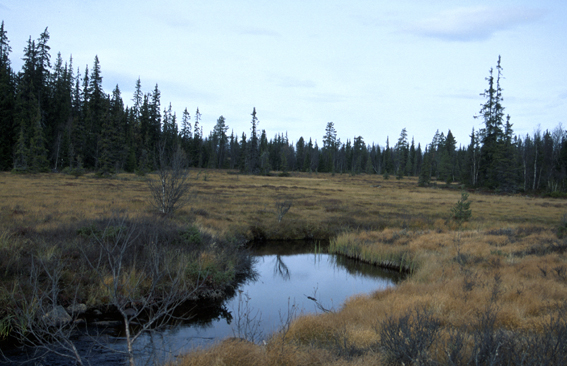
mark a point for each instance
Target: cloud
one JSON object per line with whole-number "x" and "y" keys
{"x": 474, "y": 24}
{"x": 250, "y": 31}
{"x": 290, "y": 82}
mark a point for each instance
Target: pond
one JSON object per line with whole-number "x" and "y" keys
{"x": 291, "y": 279}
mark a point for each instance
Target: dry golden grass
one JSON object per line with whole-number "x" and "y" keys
{"x": 227, "y": 203}
{"x": 507, "y": 256}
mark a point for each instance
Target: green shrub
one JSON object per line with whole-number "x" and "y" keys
{"x": 192, "y": 235}
{"x": 461, "y": 211}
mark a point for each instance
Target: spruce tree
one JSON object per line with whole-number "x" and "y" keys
{"x": 220, "y": 141}
{"x": 186, "y": 133}
{"x": 253, "y": 156}
{"x": 492, "y": 135}
{"x": 8, "y": 131}
{"x": 38, "y": 151}
{"x": 196, "y": 155}
{"x": 425, "y": 174}
{"x": 329, "y": 147}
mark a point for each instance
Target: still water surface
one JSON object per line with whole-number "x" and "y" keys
{"x": 289, "y": 278}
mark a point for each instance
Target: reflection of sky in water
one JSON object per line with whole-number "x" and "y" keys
{"x": 288, "y": 279}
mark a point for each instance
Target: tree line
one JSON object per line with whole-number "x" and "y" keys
{"x": 53, "y": 118}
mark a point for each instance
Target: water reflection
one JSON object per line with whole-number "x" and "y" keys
{"x": 281, "y": 269}
{"x": 287, "y": 279}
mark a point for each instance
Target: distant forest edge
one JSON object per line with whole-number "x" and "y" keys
{"x": 53, "y": 119}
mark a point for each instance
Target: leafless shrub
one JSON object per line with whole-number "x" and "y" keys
{"x": 40, "y": 323}
{"x": 282, "y": 207}
{"x": 146, "y": 293}
{"x": 248, "y": 320}
{"x": 406, "y": 340}
{"x": 169, "y": 191}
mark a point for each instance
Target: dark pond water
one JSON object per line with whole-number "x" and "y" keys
{"x": 292, "y": 279}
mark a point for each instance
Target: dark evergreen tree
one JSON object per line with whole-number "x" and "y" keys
{"x": 358, "y": 155}
{"x": 505, "y": 161}
{"x": 329, "y": 150}
{"x": 425, "y": 174}
{"x": 220, "y": 142}
{"x": 137, "y": 99}
{"x": 186, "y": 133}
{"x": 196, "y": 155}
{"x": 234, "y": 151}
{"x": 409, "y": 171}
{"x": 253, "y": 155}
{"x": 95, "y": 113}
{"x": 492, "y": 135}
{"x": 243, "y": 158}
{"x": 447, "y": 154}
{"x": 8, "y": 131}
{"x": 38, "y": 151}
{"x": 418, "y": 160}
{"x": 473, "y": 160}
{"x": 388, "y": 164}
{"x": 169, "y": 133}
{"x": 401, "y": 154}
{"x": 300, "y": 154}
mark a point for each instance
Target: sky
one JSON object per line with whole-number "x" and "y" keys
{"x": 370, "y": 67}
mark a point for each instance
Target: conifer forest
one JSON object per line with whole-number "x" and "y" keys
{"x": 57, "y": 117}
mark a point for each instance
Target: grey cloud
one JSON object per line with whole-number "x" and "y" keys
{"x": 474, "y": 24}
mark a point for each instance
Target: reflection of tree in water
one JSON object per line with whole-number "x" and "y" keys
{"x": 281, "y": 269}
{"x": 358, "y": 268}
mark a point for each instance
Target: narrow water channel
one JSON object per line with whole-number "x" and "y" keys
{"x": 292, "y": 279}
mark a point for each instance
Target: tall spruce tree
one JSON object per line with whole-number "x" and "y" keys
{"x": 329, "y": 147}
{"x": 401, "y": 154}
{"x": 253, "y": 156}
{"x": 8, "y": 131}
{"x": 220, "y": 141}
{"x": 492, "y": 135}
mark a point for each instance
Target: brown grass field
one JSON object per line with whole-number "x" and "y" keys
{"x": 506, "y": 265}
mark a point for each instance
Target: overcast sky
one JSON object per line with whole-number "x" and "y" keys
{"x": 371, "y": 67}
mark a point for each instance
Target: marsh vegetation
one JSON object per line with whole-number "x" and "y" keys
{"x": 489, "y": 290}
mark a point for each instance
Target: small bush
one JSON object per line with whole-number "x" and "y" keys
{"x": 461, "y": 211}
{"x": 191, "y": 235}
